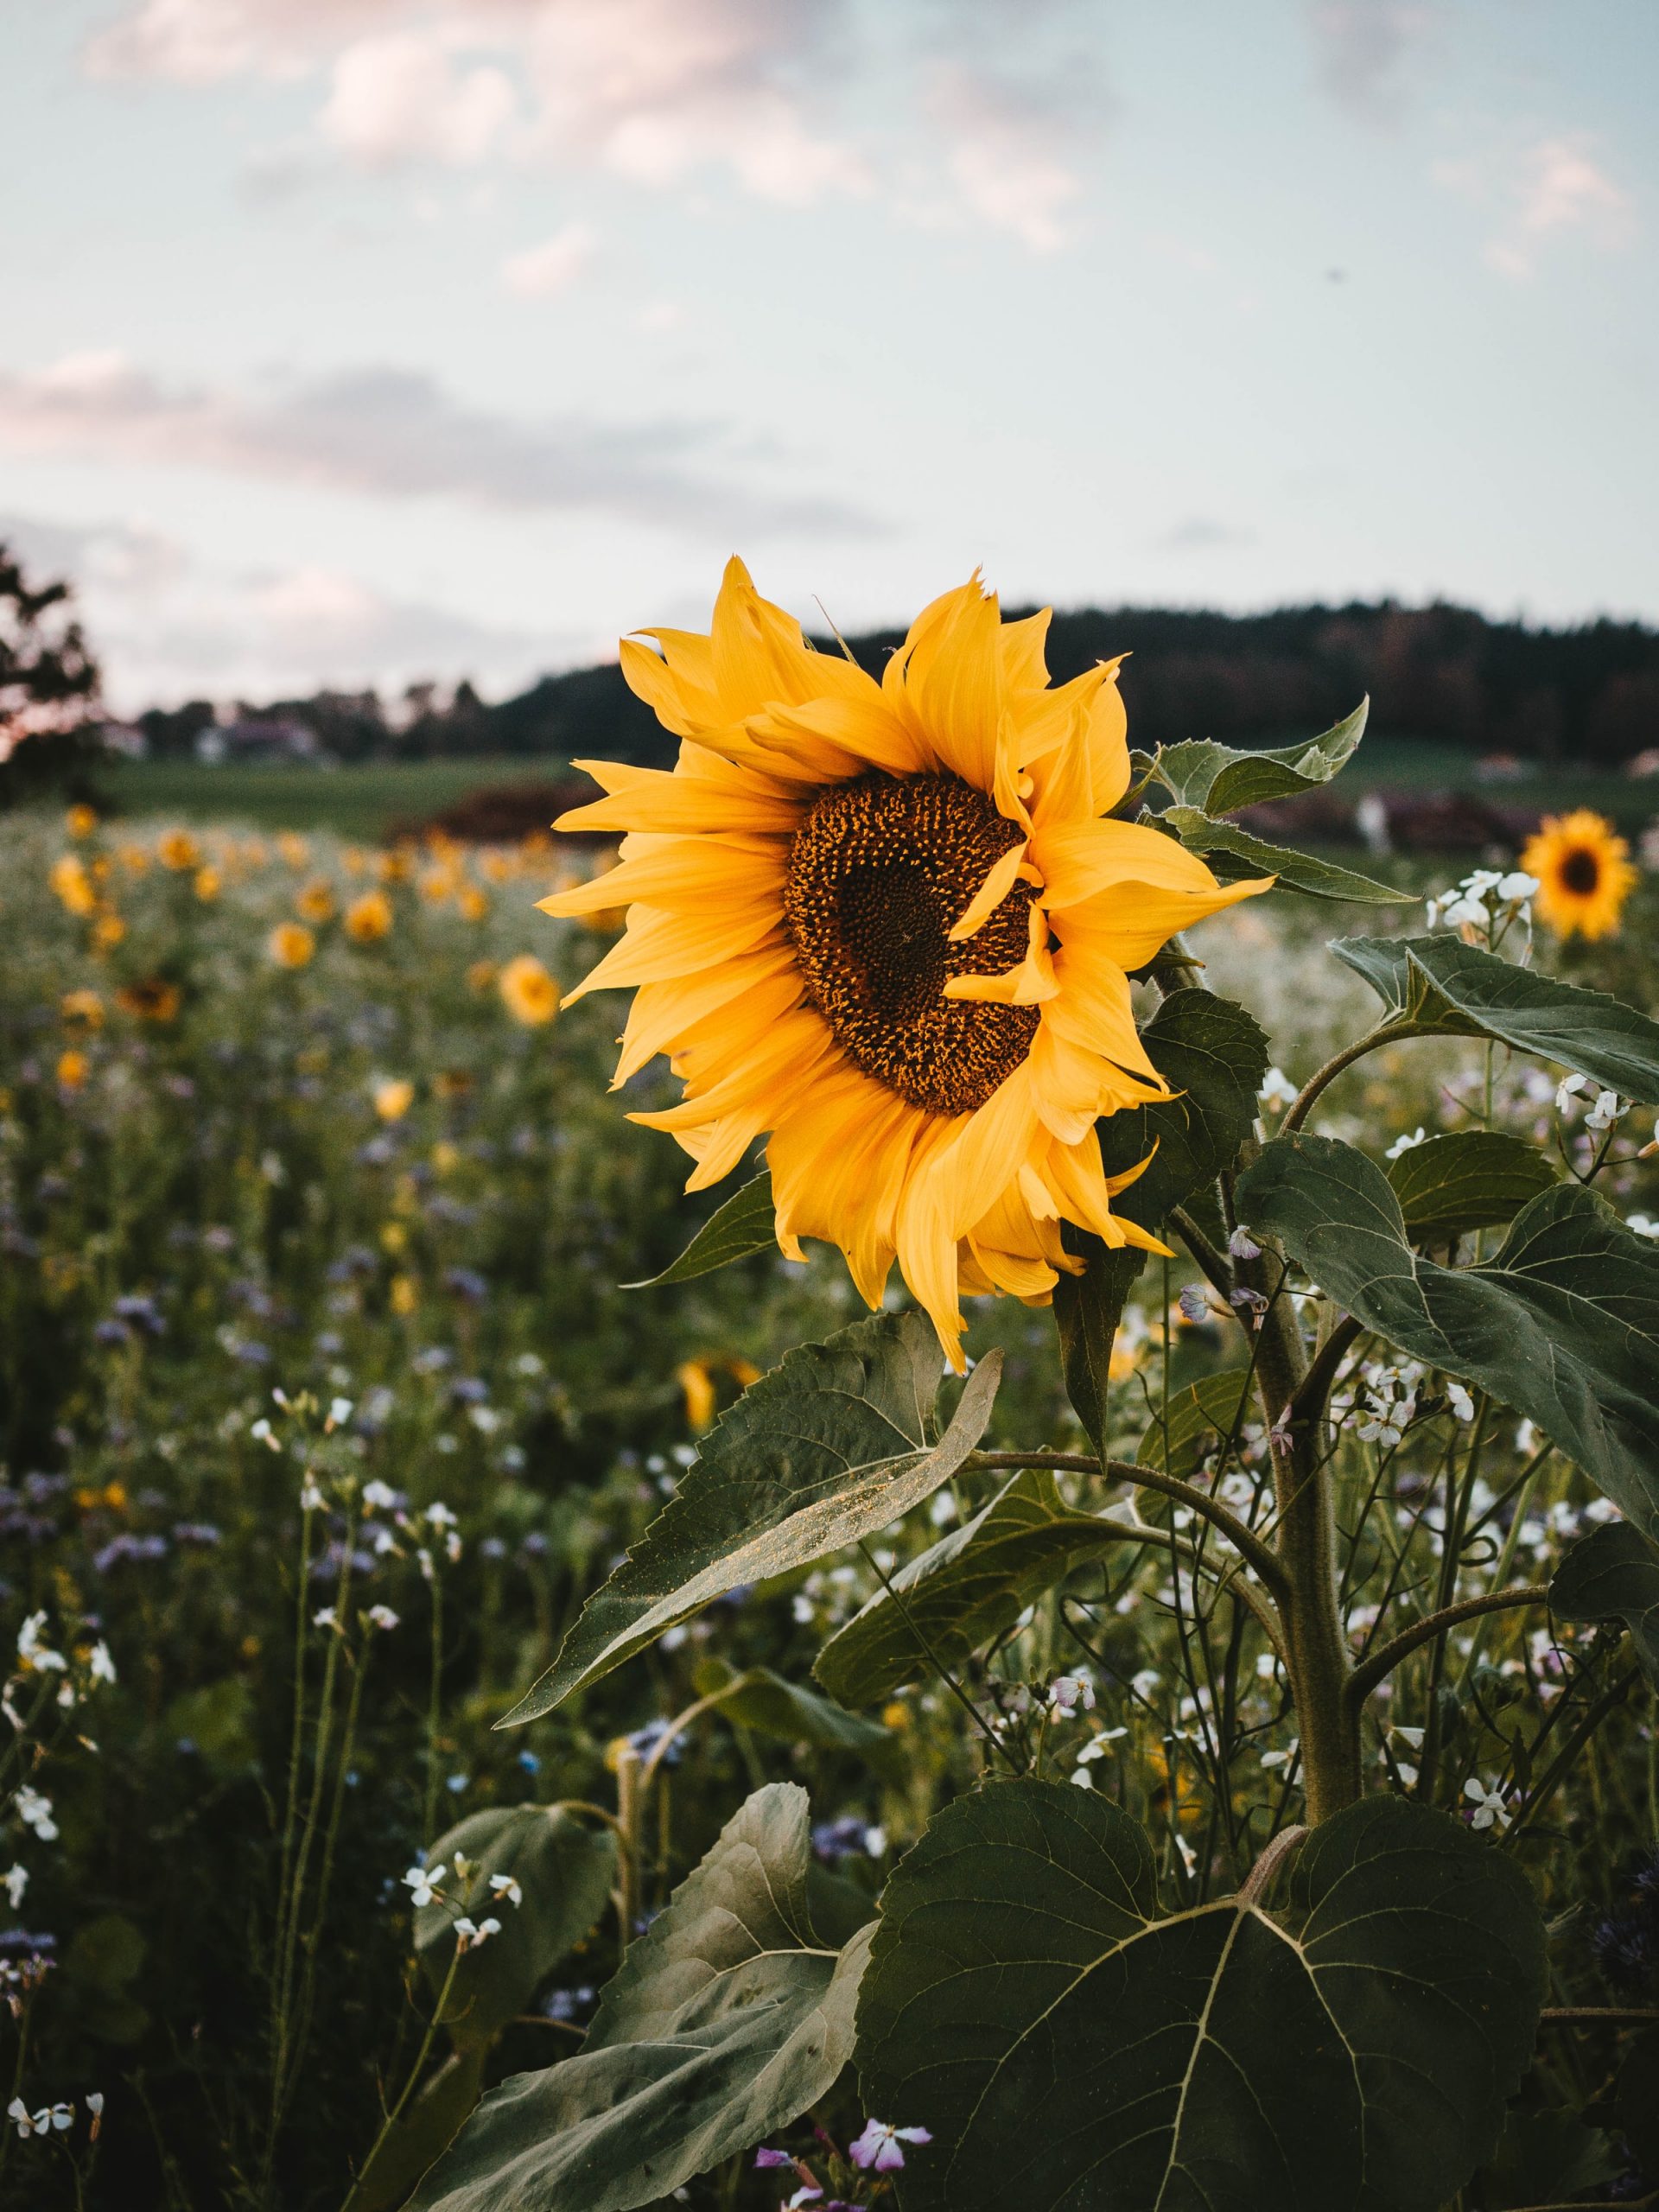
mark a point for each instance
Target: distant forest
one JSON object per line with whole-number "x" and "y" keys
{"x": 1587, "y": 694}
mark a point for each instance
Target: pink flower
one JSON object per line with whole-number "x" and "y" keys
{"x": 878, "y": 2145}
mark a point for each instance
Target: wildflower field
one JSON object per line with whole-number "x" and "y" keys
{"x": 325, "y": 1409}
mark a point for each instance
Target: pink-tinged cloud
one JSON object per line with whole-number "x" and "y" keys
{"x": 392, "y": 435}
{"x": 652, "y": 90}
{"x": 1551, "y": 191}
{"x": 541, "y": 270}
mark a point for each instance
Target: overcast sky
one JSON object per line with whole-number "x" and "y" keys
{"x": 352, "y": 340}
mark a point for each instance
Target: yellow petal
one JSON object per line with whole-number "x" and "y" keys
{"x": 688, "y": 872}
{"x": 658, "y": 946}
{"x": 1029, "y": 984}
{"x": 1133, "y": 921}
{"x": 663, "y": 1015}
{"x": 1080, "y": 859}
{"x": 990, "y": 894}
{"x": 651, "y": 799}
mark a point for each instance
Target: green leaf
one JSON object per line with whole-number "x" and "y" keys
{"x": 1546, "y": 2159}
{"x": 565, "y": 1872}
{"x": 758, "y": 1699}
{"x": 1562, "y": 1323}
{"x": 1453, "y": 989}
{"x": 1612, "y": 1574}
{"x": 1073, "y": 2051}
{"x": 745, "y": 1224}
{"x": 1201, "y": 1416}
{"x": 1219, "y": 779}
{"x": 1239, "y": 853}
{"x": 1088, "y": 1308}
{"x": 1475, "y": 1178}
{"x": 1213, "y": 1056}
{"x": 964, "y": 1591}
{"x": 423, "y": 2131}
{"x": 828, "y": 1448}
{"x": 728, "y": 2019}
{"x": 1636, "y": 2100}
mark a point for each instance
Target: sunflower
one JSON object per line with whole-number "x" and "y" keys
{"x": 369, "y": 917}
{"x": 1584, "y": 873}
{"x": 290, "y": 945}
{"x": 528, "y": 992}
{"x": 888, "y": 923}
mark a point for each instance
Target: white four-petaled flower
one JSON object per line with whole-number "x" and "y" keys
{"x": 503, "y": 1886}
{"x": 878, "y": 2147}
{"x": 423, "y": 1885}
{"x": 1488, "y": 1803}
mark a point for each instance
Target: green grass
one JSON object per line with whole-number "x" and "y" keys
{"x": 363, "y": 801}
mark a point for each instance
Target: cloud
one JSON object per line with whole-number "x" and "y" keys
{"x": 541, "y": 270}
{"x": 652, "y": 90}
{"x": 395, "y": 435}
{"x": 1203, "y": 534}
{"x": 1002, "y": 157}
{"x": 167, "y": 630}
{"x": 663, "y": 92}
{"x": 401, "y": 97}
{"x": 1547, "y": 192}
{"x": 1362, "y": 51}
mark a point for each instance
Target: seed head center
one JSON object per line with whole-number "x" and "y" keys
{"x": 879, "y": 872}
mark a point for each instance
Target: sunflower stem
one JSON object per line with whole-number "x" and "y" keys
{"x": 1390, "y": 1033}
{"x": 1317, "y": 1658}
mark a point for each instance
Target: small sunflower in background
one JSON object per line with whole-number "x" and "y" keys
{"x": 528, "y": 993}
{"x": 1584, "y": 872}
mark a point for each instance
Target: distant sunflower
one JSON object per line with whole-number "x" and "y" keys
{"x": 886, "y": 922}
{"x": 1584, "y": 874}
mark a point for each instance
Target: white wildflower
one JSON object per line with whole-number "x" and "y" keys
{"x": 423, "y": 1886}
{"x": 503, "y": 1886}
{"x": 15, "y": 1881}
{"x": 1419, "y": 1136}
{"x": 35, "y": 1811}
{"x": 1276, "y": 1089}
{"x": 1488, "y": 1803}
{"x": 383, "y": 1617}
{"x": 1460, "y": 1401}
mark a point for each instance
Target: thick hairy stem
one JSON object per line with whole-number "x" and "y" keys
{"x": 1382, "y": 1662}
{"x": 1316, "y": 1659}
{"x": 1391, "y": 1032}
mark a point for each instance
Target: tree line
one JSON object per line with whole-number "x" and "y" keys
{"x": 1589, "y": 693}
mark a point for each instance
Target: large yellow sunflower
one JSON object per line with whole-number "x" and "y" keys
{"x": 1584, "y": 873}
{"x": 887, "y": 923}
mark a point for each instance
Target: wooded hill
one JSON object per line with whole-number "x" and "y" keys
{"x": 1589, "y": 695}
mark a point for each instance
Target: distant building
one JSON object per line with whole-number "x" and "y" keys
{"x": 267, "y": 737}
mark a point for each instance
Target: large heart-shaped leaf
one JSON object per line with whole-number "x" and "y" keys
{"x": 728, "y": 2019}
{"x": 1213, "y": 1056}
{"x": 830, "y": 1446}
{"x": 1218, "y": 779}
{"x": 1612, "y": 1574}
{"x": 1449, "y": 1186}
{"x": 965, "y": 1590}
{"x": 1236, "y": 853}
{"x": 1562, "y": 1323}
{"x": 1450, "y": 989}
{"x": 745, "y": 1224}
{"x": 1073, "y": 2051}
{"x": 564, "y": 1873}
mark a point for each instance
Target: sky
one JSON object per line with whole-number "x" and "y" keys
{"x": 362, "y": 341}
